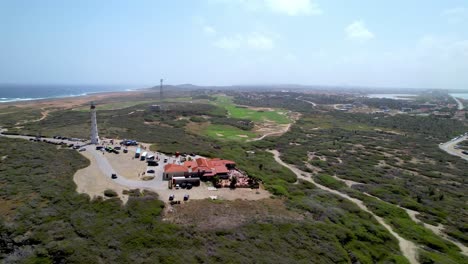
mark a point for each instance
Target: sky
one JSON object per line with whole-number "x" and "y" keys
{"x": 398, "y": 43}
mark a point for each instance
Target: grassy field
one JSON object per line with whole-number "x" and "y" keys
{"x": 277, "y": 116}
{"x": 224, "y": 132}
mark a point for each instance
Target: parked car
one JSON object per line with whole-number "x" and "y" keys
{"x": 150, "y": 171}
{"x": 189, "y": 186}
{"x": 183, "y": 185}
{"x": 125, "y": 151}
{"x": 165, "y": 160}
{"x": 465, "y": 152}
{"x": 114, "y": 176}
{"x": 171, "y": 197}
{"x": 177, "y": 186}
{"x": 186, "y": 197}
{"x": 82, "y": 149}
{"x": 152, "y": 163}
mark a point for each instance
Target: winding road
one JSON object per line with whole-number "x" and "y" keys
{"x": 460, "y": 104}
{"x": 449, "y": 147}
{"x": 309, "y": 102}
{"x": 408, "y": 248}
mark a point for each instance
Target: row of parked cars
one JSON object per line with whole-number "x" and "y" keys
{"x": 58, "y": 143}
{"x": 110, "y": 149}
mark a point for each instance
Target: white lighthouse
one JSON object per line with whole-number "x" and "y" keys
{"x": 94, "y": 131}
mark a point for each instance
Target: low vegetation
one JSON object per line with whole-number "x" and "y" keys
{"x": 46, "y": 221}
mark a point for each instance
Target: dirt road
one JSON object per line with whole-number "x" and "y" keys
{"x": 280, "y": 132}
{"x": 309, "y": 102}
{"x": 408, "y": 248}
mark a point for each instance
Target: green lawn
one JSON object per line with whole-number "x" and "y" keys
{"x": 228, "y": 133}
{"x": 278, "y": 116}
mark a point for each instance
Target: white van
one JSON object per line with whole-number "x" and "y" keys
{"x": 143, "y": 156}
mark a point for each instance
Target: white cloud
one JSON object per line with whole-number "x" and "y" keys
{"x": 209, "y": 30}
{"x": 261, "y": 42}
{"x": 230, "y": 43}
{"x": 358, "y": 31}
{"x": 294, "y": 7}
{"x": 254, "y": 41}
{"x": 284, "y": 7}
{"x": 455, "y": 15}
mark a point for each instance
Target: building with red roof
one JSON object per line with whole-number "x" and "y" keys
{"x": 200, "y": 167}
{"x": 174, "y": 170}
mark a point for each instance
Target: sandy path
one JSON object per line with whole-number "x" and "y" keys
{"x": 436, "y": 229}
{"x": 309, "y": 102}
{"x": 408, "y": 248}
{"x": 348, "y": 183}
{"x": 44, "y": 113}
{"x": 277, "y": 133}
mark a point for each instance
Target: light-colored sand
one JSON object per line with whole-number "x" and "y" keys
{"x": 93, "y": 182}
{"x": 125, "y": 165}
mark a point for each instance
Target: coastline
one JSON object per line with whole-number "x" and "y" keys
{"x": 72, "y": 100}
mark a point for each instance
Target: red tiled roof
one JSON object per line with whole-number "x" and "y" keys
{"x": 171, "y": 168}
{"x": 210, "y": 167}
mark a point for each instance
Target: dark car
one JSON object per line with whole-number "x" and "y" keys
{"x": 186, "y": 197}
{"x": 189, "y": 186}
{"x": 171, "y": 197}
{"x": 117, "y": 148}
{"x": 99, "y": 147}
{"x": 125, "y": 151}
{"x": 183, "y": 185}
{"x": 152, "y": 163}
{"x": 114, "y": 176}
{"x": 165, "y": 160}
{"x": 465, "y": 152}
{"x": 150, "y": 171}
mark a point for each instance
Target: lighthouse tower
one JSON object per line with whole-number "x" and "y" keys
{"x": 94, "y": 131}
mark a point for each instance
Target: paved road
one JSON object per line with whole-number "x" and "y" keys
{"x": 449, "y": 147}
{"x": 460, "y": 104}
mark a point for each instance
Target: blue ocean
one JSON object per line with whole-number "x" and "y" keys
{"x": 22, "y": 92}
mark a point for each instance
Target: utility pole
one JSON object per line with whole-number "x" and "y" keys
{"x": 161, "y": 92}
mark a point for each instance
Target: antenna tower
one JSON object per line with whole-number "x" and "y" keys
{"x": 161, "y": 91}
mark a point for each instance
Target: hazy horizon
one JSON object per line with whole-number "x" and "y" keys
{"x": 395, "y": 44}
